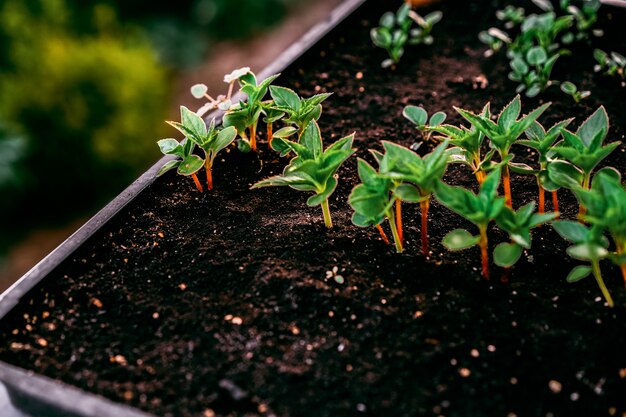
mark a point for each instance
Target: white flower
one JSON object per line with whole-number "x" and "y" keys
{"x": 236, "y": 74}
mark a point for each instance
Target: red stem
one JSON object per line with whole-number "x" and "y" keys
{"x": 253, "y": 137}
{"x": 506, "y": 180}
{"x": 197, "y": 182}
{"x": 424, "y": 205}
{"x": 382, "y": 234}
{"x": 209, "y": 174}
{"x": 399, "y": 219}
{"x": 270, "y": 133}
{"x": 542, "y": 200}
{"x": 484, "y": 252}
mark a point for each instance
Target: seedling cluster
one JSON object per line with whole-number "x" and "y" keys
{"x": 396, "y": 30}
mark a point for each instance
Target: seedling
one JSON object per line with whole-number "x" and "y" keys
{"x": 244, "y": 116}
{"x": 543, "y": 141}
{"x": 418, "y": 177}
{"x": 589, "y": 246}
{"x": 467, "y": 146}
{"x": 271, "y": 116}
{"x": 570, "y": 89}
{"x": 222, "y": 102}
{"x": 503, "y": 134}
{"x": 395, "y": 31}
{"x": 613, "y": 64}
{"x": 585, "y": 16}
{"x": 583, "y": 150}
{"x": 606, "y": 209}
{"x": 511, "y": 16}
{"x": 210, "y": 140}
{"x": 372, "y": 201}
{"x": 186, "y": 163}
{"x": 518, "y": 224}
{"x": 313, "y": 168}
{"x": 479, "y": 209}
{"x": 419, "y": 117}
{"x": 299, "y": 111}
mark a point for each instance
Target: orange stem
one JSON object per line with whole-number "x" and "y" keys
{"x": 270, "y": 133}
{"x": 555, "y": 202}
{"x": 382, "y": 234}
{"x": 399, "y": 219}
{"x": 542, "y": 200}
{"x": 506, "y": 180}
{"x": 424, "y": 205}
{"x": 197, "y": 182}
{"x": 480, "y": 177}
{"x": 253, "y": 137}
{"x": 209, "y": 174}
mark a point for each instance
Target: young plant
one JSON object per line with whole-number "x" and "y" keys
{"x": 518, "y": 225}
{"x": 589, "y": 246}
{"x": 503, "y": 134}
{"x": 299, "y": 111}
{"x": 542, "y": 141}
{"x": 583, "y": 150}
{"x": 606, "y": 209}
{"x": 244, "y": 116}
{"x": 570, "y": 89}
{"x": 417, "y": 177}
{"x": 372, "y": 201}
{"x": 613, "y": 64}
{"x": 467, "y": 144}
{"x": 210, "y": 139}
{"x": 222, "y": 102}
{"x": 585, "y": 17}
{"x": 419, "y": 117}
{"x": 313, "y": 168}
{"x": 480, "y": 209}
{"x": 271, "y": 116}
{"x": 395, "y": 31}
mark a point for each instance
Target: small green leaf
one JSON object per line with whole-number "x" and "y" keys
{"x": 190, "y": 165}
{"x": 170, "y": 147}
{"x": 587, "y": 252}
{"x": 408, "y": 193}
{"x": 437, "y": 119}
{"x": 169, "y": 165}
{"x": 569, "y": 88}
{"x": 199, "y": 90}
{"x": 536, "y": 56}
{"x": 571, "y": 230}
{"x": 507, "y": 254}
{"x": 285, "y": 132}
{"x": 417, "y": 115}
{"x": 460, "y": 239}
{"x": 578, "y": 273}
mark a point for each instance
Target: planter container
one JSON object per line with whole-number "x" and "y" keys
{"x": 386, "y": 308}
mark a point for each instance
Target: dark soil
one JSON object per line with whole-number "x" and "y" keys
{"x": 226, "y": 304}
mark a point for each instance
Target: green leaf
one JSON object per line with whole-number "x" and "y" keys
{"x": 437, "y": 119}
{"x": 507, "y": 254}
{"x": 408, "y": 193}
{"x": 170, "y": 147}
{"x": 312, "y": 139}
{"x": 569, "y": 88}
{"x": 285, "y": 97}
{"x": 571, "y": 230}
{"x": 199, "y": 90}
{"x": 460, "y": 239}
{"x": 587, "y": 252}
{"x": 596, "y": 123}
{"x": 169, "y": 165}
{"x": 190, "y": 165}
{"x": 510, "y": 113}
{"x": 536, "y": 56}
{"x": 193, "y": 122}
{"x": 417, "y": 115}
{"x": 224, "y": 138}
{"x": 578, "y": 273}
{"x": 381, "y": 37}
{"x": 285, "y": 132}
{"x": 318, "y": 199}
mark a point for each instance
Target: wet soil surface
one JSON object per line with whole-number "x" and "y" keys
{"x": 240, "y": 303}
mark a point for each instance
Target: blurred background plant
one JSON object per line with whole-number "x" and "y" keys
{"x": 84, "y": 90}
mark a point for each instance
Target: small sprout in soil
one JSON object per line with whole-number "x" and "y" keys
{"x": 585, "y": 17}
{"x": 187, "y": 163}
{"x": 479, "y": 209}
{"x": 542, "y": 141}
{"x": 416, "y": 176}
{"x": 222, "y": 102}
{"x": 395, "y": 31}
{"x": 589, "y": 246}
{"x": 583, "y": 151}
{"x": 518, "y": 225}
{"x": 613, "y": 64}
{"x": 511, "y": 16}
{"x": 313, "y": 168}
{"x": 211, "y": 140}
{"x": 299, "y": 111}
{"x": 419, "y": 117}
{"x": 606, "y": 210}
{"x": 244, "y": 116}
{"x": 570, "y": 89}
{"x": 467, "y": 146}
{"x": 372, "y": 201}
{"x": 503, "y": 134}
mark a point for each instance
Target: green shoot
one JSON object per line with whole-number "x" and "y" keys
{"x": 244, "y": 116}
{"x": 570, "y": 89}
{"x": 606, "y": 209}
{"x": 585, "y": 17}
{"x": 372, "y": 201}
{"x": 583, "y": 151}
{"x": 419, "y": 117}
{"x": 543, "y": 141}
{"x": 395, "y": 31}
{"x": 313, "y": 168}
{"x": 210, "y": 140}
{"x": 518, "y": 224}
{"x": 503, "y": 134}
{"x": 613, "y": 64}
{"x": 479, "y": 209}
{"x": 467, "y": 146}
{"x": 416, "y": 176}
{"x": 299, "y": 111}
{"x": 589, "y": 246}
